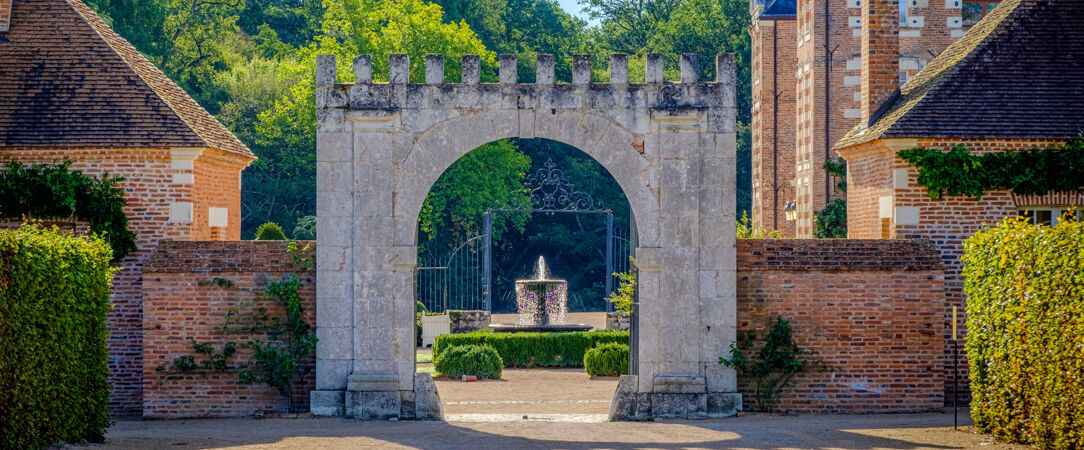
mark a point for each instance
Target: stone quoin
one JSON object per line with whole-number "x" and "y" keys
{"x": 381, "y": 146}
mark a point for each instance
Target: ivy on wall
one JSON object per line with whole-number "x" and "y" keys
{"x": 55, "y": 191}
{"x": 1028, "y": 172}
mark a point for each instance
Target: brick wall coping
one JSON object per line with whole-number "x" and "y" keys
{"x": 837, "y": 255}
{"x": 223, "y": 256}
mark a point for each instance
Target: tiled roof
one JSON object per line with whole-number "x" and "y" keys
{"x": 68, "y": 80}
{"x": 1016, "y": 74}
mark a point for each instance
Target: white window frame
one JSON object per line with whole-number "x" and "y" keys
{"x": 1055, "y": 213}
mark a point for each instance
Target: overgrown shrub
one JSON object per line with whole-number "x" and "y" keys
{"x": 481, "y": 361}
{"x": 1025, "y": 331}
{"x": 607, "y": 360}
{"x": 534, "y": 349}
{"x": 43, "y": 191}
{"x": 305, "y": 230}
{"x": 54, "y": 299}
{"x": 270, "y": 231}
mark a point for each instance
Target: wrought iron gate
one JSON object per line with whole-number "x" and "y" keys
{"x": 464, "y": 278}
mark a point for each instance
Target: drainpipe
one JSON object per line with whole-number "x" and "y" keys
{"x": 775, "y": 125}
{"x": 828, "y": 51}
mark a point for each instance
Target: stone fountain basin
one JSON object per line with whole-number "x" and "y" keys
{"x": 550, "y": 328}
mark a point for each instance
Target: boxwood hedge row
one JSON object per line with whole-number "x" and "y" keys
{"x": 54, "y": 298}
{"x": 1025, "y": 332}
{"x": 534, "y": 349}
{"x": 607, "y": 360}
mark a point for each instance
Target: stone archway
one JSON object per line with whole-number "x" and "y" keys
{"x": 381, "y": 146}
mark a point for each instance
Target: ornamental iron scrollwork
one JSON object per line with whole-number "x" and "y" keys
{"x": 549, "y": 191}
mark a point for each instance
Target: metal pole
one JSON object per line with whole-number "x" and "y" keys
{"x": 487, "y": 263}
{"x": 955, "y": 373}
{"x": 609, "y": 259}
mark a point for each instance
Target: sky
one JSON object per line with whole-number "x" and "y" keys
{"x": 573, "y": 7}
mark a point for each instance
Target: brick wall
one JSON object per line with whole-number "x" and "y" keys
{"x": 177, "y": 310}
{"x": 774, "y": 65}
{"x": 217, "y": 185}
{"x": 877, "y": 175}
{"x": 870, "y": 309}
{"x": 150, "y": 187}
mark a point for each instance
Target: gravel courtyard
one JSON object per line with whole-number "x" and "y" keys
{"x": 753, "y": 431}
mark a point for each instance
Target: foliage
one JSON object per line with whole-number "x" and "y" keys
{"x": 270, "y": 231}
{"x": 744, "y": 229}
{"x": 831, "y": 222}
{"x": 837, "y": 169}
{"x": 217, "y": 281}
{"x": 778, "y": 360}
{"x": 1025, "y": 331}
{"x": 625, "y": 295}
{"x": 1028, "y": 172}
{"x": 54, "y": 191}
{"x": 607, "y": 360}
{"x": 533, "y": 349}
{"x": 481, "y": 361}
{"x": 305, "y": 229}
{"x": 55, "y": 291}
{"x": 490, "y": 176}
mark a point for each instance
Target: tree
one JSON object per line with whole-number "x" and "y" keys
{"x": 831, "y": 222}
{"x": 281, "y": 185}
{"x": 490, "y": 176}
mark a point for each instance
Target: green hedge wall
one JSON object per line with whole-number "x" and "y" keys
{"x": 1025, "y": 332}
{"x": 607, "y": 360}
{"x": 54, "y": 298}
{"x": 534, "y": 349}
{"x": 481, "y": 361}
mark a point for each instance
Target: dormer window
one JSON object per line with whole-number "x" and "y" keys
{"x": 973, "y": 11}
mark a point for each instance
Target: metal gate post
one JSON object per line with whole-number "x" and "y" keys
{"x": 487, "y": 263}
{"x": 609, "y": 259}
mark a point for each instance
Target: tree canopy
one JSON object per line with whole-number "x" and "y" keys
{"x": 250, "y": 63}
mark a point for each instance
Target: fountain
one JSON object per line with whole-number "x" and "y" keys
{"x": 542, "y": 304}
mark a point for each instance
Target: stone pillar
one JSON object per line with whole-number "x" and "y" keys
{"x": 508, "y": 71}
{"x": 619, "y": 69}
{"x": 581, "y": 69}
{"x": 653, "y": 68}
{"x": 544, "y": 70}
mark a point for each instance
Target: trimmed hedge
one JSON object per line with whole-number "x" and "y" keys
{"x": 534, "y": 349}
{"x": 607, "y": 360}
{"x": 481, "y": 361}
{"x": 54, "y": 299}
{"x": 1025, "y": 332}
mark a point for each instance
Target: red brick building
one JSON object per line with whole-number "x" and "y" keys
{"x": 773, "y": 35}
{"x": 794, "y": 136}
{"x": 1014, "y": 81}
{"x": 72, "y": 89}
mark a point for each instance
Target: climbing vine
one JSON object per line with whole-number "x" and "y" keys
{"x": 55, "y": 191}
{"x": 1028, "y": 172}
{"x": 777, "y": 361}
{"x": 277, "y": 360}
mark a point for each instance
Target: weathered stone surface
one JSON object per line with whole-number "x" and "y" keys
{"x": 625, "y": 402}
{"x": 723, "y": 405}
{"x": 380, "y": 147}
{"x": 427, "y": 405}
{"x": 326, "y": 403}
{"x": 372, "y": 405}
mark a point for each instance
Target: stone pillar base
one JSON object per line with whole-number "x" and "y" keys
{"x": 674, "y": 402}
{"x": 326, "y": 403}
{"x": 423, "y": 403}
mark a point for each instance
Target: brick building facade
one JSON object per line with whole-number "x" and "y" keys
{"x": 826, "y": 62}
{"x": 1012, "y": 82}
{"x": 772, "y": 127}
{"x": 72, "y": 89}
